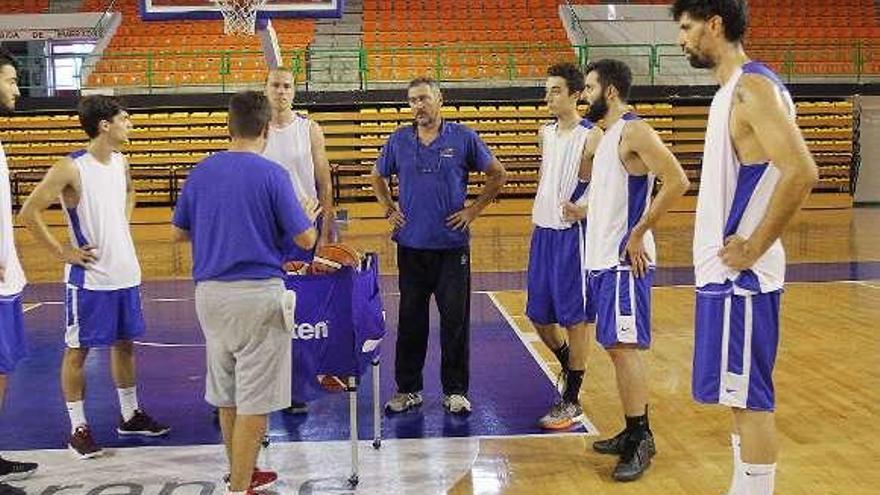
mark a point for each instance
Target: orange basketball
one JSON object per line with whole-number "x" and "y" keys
{"x": 296, "y": 267}
{"x": 332, "y": 257}
{"x": 332, "y": 383}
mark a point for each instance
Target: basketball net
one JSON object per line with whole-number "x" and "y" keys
{"x": 240, "y": 16}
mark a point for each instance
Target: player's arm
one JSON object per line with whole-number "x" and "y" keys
{"x": 130, "y": 193}
{"x": 496, "y": 177}
{"x": 308, "y": 238}
{"x": 178, "y": 234}
{"x": 60, "y": 176}
{"x": 323, "y": 179}
{"x": 763, "y": 109}
{"x": 647, "y": 145}
{"x": 576, "y": 211}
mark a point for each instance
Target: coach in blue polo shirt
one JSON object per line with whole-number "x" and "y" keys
{"x": 431, "y": 159}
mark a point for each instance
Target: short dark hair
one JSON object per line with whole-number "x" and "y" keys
{"x": 612, "y": 72}
{"x": 734, "y": 14}
{"x": 573, "y": 76}
{"x": 424, "y": 81}
{"x": 95, "y": 108}
{"x": 249, "y": 114}
{"x": 6, "y": 58}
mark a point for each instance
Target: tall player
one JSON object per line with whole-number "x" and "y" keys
{"x": 557, "y": 277}
{"x": 297, "y": 143}
{"x": 621, "y": 255}
{"x": 757, "y": 172}
{"x": 102, "y": 273}
{"x": 12, "y": 280}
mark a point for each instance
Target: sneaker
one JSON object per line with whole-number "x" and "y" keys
{"x": 403, "y": 402}
{"x": 615, "y": 445}
{"x": 10, "y": 490}
{"x": 562, "y": 416}
{"x": 457, "y": 404}
{"x": 15, "y": 471}
{"x": 297, "y": 408}
{"x": 635, "y": 460}
{"x": 82, "y": 444}
{"x": 260, "y": 480}
{"x": 142, "y": 424}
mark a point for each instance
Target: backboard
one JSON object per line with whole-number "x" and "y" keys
{"x": 206, "y": 9}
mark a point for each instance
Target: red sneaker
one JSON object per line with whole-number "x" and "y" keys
{"x": 259, "y": 480}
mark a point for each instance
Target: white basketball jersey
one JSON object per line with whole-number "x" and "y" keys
{"x": 99, "y": 220}
{"x": 733, "y": 198}
{"x": 14, "y": 280}
{"x": 618, "y": 200}
{"x": 291, "y": 146}
{"x": 560, "y": 164}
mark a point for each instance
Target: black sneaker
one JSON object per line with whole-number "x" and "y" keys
{"x": 10, "y": 490}
{"x": 15, "y": 471}
{"x": 296, "y": 408}
{"x": 635, "y": 460}
{"x": 142, "y": 424}
{"x": 615, "y": 445}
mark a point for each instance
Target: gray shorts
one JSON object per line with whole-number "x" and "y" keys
{"x": 248, "y": 346}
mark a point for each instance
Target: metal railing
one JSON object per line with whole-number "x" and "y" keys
{"x": 499, "y": 64}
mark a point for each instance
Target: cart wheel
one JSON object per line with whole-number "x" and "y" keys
{"x": 353, "y": 480}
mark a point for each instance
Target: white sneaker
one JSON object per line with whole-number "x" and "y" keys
{"x": 403, "y": 402}
{"x": 457, "y": 404}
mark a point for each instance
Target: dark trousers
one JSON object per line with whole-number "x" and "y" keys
{"x": 447, "y": 275}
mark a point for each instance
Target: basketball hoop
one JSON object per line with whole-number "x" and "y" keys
{"x": 240, "y": 16}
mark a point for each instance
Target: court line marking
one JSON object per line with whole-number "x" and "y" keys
{"x": 31, "y": 307}
{"x": 591, "y": 429}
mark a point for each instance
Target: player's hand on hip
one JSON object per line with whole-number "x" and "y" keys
{"x": 572, "y": 212}
{"x": 80, "y": 256}
{"x": 311, "y": 207}
{"x": 395, "y": 217}
{"x": 635, "y": 250}
{"x": 737, "y": 253}
{"x": 461, "y": 219}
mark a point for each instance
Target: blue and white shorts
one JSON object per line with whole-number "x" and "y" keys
{"x": 623, "y": 307}
{"x": 736, "y": 338}
{"x": 12, "y": 344}
{"x": 556, "y": 281}
{"x": 99, "y": 318}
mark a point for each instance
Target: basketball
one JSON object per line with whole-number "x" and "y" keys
{"x": 295, "y": 267}
{"x": 331, "y": 383}
{"x": 332, "y": 257}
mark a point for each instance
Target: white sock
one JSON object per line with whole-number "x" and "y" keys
{"x": 737, "y": 481}
{"x": 759, "y": 478}
{"x": 235, "y": 493}
{"x": 128, "y": 402}
{"x": 77, "y": 414}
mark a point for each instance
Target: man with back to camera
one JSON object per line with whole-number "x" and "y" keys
{"x": 239, "y": 210}
{"x": 432, "y": 159}
{"x": 757, "y": 172}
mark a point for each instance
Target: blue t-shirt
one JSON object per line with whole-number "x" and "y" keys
{"x": 433, "y": 182}
{"x": 241, "y": 212}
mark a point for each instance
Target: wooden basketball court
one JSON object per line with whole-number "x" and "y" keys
{"x": 827, "y": 375}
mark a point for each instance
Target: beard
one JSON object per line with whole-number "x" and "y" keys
{"x": 700, "y": 61}
{"x": 598, "y": 110}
